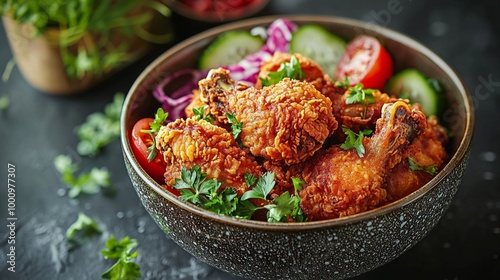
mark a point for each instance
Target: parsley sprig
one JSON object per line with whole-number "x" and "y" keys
{"x": 357, "y": 94}
{"x": 431, "y": 169}
{"x": 236, "y": 127}
{"x": 124, "y": 268}
{"x": 290, "y": 70}
{"x": 355, "y": 140}
{"x": 197, "y": 189}
{"x": 200, "y": 114}
{"x": 100, "y": 128}
{"x": 83, "y": 226}
{"x": 160, "y": 118}
{"x": 90, "y": 182}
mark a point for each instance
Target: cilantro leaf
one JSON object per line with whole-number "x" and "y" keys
{"x": 431, "y": 169}
{"x": 160, "y": 118}
{"x": 100, "y": 129}
{"x": 355, "y": 140}
{"x": 124, "y": 268}
{"x": 290, "y": 70}
{"x": 83, "y": 224}
{"x": 90, "y": 182}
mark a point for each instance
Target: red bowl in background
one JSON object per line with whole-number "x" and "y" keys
{"x": 216, "y": 10}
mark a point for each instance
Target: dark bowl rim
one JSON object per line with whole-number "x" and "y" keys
{"x": 454, "y": 161}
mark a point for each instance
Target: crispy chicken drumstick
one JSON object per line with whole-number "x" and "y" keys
{"x": 341, "y": 183}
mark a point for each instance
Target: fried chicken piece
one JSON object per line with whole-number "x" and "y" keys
{"x": 286, "y": 122}
{"x": 190, "y": 142}
{"x": 341, "y": 183}
{"x": 427, "y": 152}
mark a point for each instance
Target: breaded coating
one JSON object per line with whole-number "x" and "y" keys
{"x": 190, "y": 142}
{"x": 427, "y": 152}
{"x": 286, "y": 122}
{"x": 340, "y": 183}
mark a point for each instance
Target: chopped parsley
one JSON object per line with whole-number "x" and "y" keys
{"x": 89, "y": 183}
{"x": 124, "y": 268}
{"x": 355, "y": 140}
{"x": 357, "y": 94}
{"x": 160, "y": 118}
{"x": 100, "y": 128}
{"x": 83, "y": 224}
{"x": 200, "y": 114}
{"x": 236, "y": 127}
{"x": 290, "y": 70}
{"x": 4, "y": 102}
{"x": 194, "y": 187}
{"x": 431, "y": 169}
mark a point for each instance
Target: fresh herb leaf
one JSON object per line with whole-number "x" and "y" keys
{"x": 89, "y": 183}
{"x": 160, "y": 118}
{"x": 236, "y": 127}
{"x": 358, "y": 94}
{"x": 197, "y": 189}
{"x": 290, "y": 70}
{"x": 250, "y": 179}
{"x": 431, "y": 169}
{"x": 124, "y": 268}
{"x": 297, "y": 213}
{"x": 286, "y": 205}
{"x": 4, "y": 102}
{"x": 83, "y": 224}
{"x": 344, "y": 83}
{"x": 200, "y": 113}
{"x": 264, "y": 185}
{"x": 355, "y": 140}
{"x": 100, "y": 129}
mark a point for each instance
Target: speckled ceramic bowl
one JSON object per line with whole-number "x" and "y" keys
{"x": 333, "y": 249}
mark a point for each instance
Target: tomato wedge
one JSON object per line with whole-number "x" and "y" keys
{"x": 365, "y": 61}
{"x": 140, "y": 142}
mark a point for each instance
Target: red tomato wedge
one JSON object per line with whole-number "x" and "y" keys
{"x": 365, "y": 61}
{"x": 140, "y": 142}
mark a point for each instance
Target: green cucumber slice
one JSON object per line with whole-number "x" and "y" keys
{"x": 320, "y": 45}
{"x": 230, "y": 48}
{"x": 412, "y": 84}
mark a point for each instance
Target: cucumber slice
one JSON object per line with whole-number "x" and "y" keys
{"x": 412, "y": 84}
{"x": 229, "y": 48}
{"x": 320, "y": 45}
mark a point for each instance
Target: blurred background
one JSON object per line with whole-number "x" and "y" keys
{"x": 37, "y": 125}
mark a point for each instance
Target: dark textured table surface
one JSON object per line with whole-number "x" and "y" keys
{"x": 37, "y": 127}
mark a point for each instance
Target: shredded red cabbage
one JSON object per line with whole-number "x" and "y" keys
{"x": 180, "y": 96}
{"x": 175, "y": 91}
{"x": 279, "y": 34}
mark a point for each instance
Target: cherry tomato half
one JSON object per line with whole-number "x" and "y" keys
{"x": 365, "y": 61}
{"x": 140, "y": 142}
